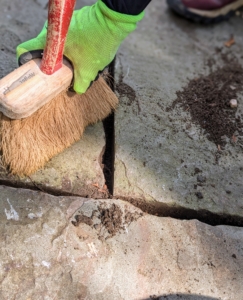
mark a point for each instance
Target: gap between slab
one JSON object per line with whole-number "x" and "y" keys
{"x": 155, "y": 209}
{"x": 108, "y": 160}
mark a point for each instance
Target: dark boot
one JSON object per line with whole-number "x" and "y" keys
{"x": 205, "y": 11}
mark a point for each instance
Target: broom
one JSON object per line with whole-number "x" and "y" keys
{"x": 26, "y": 144}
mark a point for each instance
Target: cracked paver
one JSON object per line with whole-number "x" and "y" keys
{"x": 45, "y": 253}
{"x": 158, "y": 154}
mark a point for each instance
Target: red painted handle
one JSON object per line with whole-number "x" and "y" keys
{"x": 59, "y": 17}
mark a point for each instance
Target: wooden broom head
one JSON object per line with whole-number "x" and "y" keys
{"x": 27, "y": 144}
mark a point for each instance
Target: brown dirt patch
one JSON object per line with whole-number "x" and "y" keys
{"x": 108, "y": 220}
{"x": 207, "y": 99}
{"x": 111, "y": 218}
{"x": 82, "y": 219}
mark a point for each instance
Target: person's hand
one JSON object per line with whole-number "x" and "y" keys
{"x": 94, "y": 36}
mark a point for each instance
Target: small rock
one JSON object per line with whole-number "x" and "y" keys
{"x": 233, "y": 103}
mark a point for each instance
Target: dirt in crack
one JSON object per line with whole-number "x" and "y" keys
{"x": 107, "y": 220}
{"x": 111, "y": 219}
{"x": 207, "y": 99}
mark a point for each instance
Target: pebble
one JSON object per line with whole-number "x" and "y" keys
{"x": 233, "y": 103}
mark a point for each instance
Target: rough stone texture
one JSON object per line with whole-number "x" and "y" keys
{"x": 156, "y": 153}
{"x": 78, "y": 248}
{"x": 44, "y": 256}
{"x": 77, "y": 170}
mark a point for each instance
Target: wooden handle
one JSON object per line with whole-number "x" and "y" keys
{"x": 26, "y": 89}
{"x": 59, "y": 17}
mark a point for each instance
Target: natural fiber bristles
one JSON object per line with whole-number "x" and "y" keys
{"x": 27, "y": 144}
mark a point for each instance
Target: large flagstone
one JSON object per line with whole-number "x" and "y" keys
{"x": 76, "y": 248}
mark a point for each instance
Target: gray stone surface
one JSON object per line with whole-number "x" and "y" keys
{"x": 77, "y": 170}
{"x": 115, "y": 251}
{"x": 44, "y": 256}
{"x": 156, "y": 153}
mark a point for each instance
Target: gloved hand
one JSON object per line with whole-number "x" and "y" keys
{"x": 94, "y": 36}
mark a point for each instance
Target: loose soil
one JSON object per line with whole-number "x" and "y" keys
{"x": 108, "y": 220}
{"x": 82, "y": 219}
{"x": 207, "y": 99}
{"x": 111, "y": 218}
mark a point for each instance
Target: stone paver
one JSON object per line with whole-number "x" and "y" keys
{"x": 78, "y": 169}
{"x": 44, "y": 256}
{"x": 79, "y": 248}
{"x": 156, "y": 154}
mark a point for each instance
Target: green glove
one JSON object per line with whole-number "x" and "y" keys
{"x": 94, "y": 36}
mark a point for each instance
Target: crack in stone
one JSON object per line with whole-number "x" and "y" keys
{"x": 125, "y": 171}
{"x": 163, "y": 210}
{"x": 182, "y": 213}
{"x": 108, "y": 159}
{"x": 137, "y": 187}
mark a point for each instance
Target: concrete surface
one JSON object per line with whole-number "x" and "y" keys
{"x": 44, "y": 256}
{"x": 77, "y": 170}
{"x": 156, "y": 153}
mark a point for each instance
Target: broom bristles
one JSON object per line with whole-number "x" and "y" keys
{"x": 27, "y": 144}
